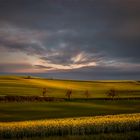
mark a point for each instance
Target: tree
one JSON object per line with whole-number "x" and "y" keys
{"x": 69, "y": 93}
{"x": 28, "y": 77}
{"x": 87, "y": 93}
{"x": 112, "y": 93}
{"x": 44, "y": 92}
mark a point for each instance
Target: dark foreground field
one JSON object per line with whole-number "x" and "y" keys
{"x": 79, "y": 105}
{"x": 36, "y": 111}
{"x": 133, "y": 135}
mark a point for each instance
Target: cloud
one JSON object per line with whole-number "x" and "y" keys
{"x": 19, "y": 39}
{"x": 76, "y": 34}
{"x": 15, "y": 67}
{"x": 45, "y": 68}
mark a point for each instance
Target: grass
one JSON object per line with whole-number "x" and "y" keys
{"x": 48, "y": 110}
{"x": 71, "y": 126}
{"x": 19, "y": 85}
{"x": 74, "y": 117}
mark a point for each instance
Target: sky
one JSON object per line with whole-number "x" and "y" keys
{"x": 71, "y": 39}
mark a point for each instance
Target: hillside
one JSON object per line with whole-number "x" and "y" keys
{"x": 20, "y": 85}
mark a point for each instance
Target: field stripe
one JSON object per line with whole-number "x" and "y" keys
{"x": 71, "y": 126}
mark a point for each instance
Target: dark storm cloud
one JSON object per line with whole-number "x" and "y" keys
{"x": 13, "y": 39}
{"x": 61, "y": 55}
{"x": 106, "y": 31}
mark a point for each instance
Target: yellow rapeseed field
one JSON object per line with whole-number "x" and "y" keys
{"x": 71, "y": 126}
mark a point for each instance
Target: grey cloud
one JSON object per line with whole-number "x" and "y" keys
{"x": 14, "y": 67}
{"x": 61, "y": 55}
{"x": 106, "y": 30}
{"x": 42, "y": 67}
{"x": 95, "y": 73}
{"x": 18, "y": 39}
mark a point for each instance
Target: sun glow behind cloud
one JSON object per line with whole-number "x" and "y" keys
{"x": 77, "y": 62}
{"x": 25, "y": 62}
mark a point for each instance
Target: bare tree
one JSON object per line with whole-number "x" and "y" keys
{"x": 87, "y": 94}
{"x": 44, "y": 91}
{"x": 28, "y": 77}
{"x": 112, "y": 93}
{"x": 69, "y": 93}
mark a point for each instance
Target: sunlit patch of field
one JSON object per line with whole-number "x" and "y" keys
{"x": 19, "y": 85}
{"x": 71, "y": 126}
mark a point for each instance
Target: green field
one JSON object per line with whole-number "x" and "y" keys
{"x": 20, "y": 85}
{"x": 15, "y": 85}
{"x": 78, "y": 106}
{"x": 36, "y": 111}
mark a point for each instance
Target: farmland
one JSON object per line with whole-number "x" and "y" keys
{"x": 20, "y": 85}
{"x": 42, "y": 110}
{"x": 78, "y": 108}
{"x": 71, "y": 126}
